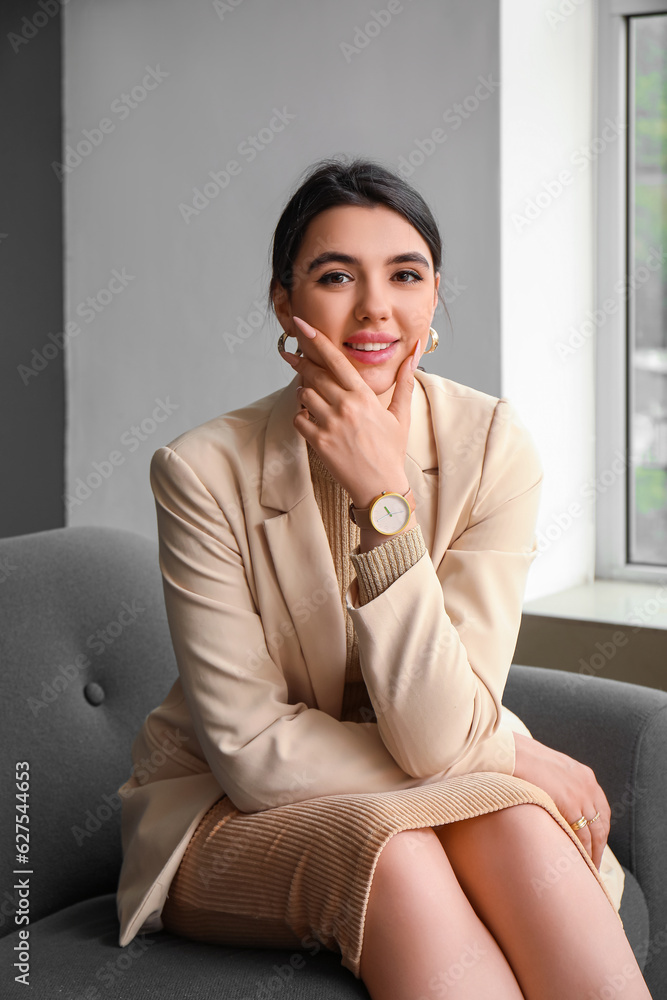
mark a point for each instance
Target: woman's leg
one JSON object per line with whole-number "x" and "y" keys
{"x": 533, "y": 890}
{"x": 422, "y": 939}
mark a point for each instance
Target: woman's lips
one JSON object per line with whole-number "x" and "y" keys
{"x": 372, "y": 357}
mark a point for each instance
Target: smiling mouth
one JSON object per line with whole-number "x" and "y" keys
{"x": 370, "y": 346}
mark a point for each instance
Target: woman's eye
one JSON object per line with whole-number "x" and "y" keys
{"x": 406, "y": 277}
{"x": 333, "y": 278}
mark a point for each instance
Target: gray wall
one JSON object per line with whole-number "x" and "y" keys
{"x": 167, "y": 334}
{"x": 31, "y": 275}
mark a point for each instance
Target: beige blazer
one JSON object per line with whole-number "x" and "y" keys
{"x": 258, "y": 628}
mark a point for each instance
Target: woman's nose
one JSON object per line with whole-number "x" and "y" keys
{"x": 372, "y": 302}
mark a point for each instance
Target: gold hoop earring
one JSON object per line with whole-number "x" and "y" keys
{"x": 434, "y": 341}
{"x": 281, "y": 342}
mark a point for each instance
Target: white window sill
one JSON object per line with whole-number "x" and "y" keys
{"x": 613, "y": 602}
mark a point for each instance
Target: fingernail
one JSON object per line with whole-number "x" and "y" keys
{"x": 305, "y": 328}
{"x": 416, "y": 355}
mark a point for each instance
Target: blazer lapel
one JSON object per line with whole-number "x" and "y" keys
{"x": 298, "y": 542}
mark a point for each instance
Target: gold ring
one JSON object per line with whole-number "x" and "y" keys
{"x": 580, "y": 824}
{"x": 595, "y": 818}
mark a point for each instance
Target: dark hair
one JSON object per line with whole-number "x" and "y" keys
{"x": 334, "y": 182}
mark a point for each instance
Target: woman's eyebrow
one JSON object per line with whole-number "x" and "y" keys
{"x": 344, "y": 258}
{"x": 331, "y": 255}
{"x": 409, "y": 258}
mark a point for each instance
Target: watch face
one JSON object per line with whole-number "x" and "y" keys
{"x": 390, "y": 513}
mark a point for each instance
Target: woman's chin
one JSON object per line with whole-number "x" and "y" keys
{"x": 380, "y": 385}
{"x": 379, "y": 381}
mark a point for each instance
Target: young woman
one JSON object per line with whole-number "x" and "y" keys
{"x": 344, "y": 562}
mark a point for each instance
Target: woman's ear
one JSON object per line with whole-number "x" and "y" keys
{"x": 282, "y": 307}
{"x": 435, "y": 292}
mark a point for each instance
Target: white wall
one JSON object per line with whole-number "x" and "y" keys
{"x": 163, "y": 335}
{"x": 547, "y": 224}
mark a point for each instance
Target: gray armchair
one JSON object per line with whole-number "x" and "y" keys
{"x": 86, "y": 654}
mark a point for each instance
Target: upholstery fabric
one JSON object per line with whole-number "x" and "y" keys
{"x": 78, "y": 953}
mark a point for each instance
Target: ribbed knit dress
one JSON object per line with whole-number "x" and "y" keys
{"x": 301, "y": 873}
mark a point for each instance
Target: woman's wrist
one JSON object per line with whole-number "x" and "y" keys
{"x": 523, "y": 756}
{"x": 364, "y": 498}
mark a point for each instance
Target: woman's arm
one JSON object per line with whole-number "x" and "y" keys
{"x": 264, "y": 750}
{"x": 436, "y": 646}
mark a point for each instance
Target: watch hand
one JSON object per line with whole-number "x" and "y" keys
{"x": 383, "y": 516}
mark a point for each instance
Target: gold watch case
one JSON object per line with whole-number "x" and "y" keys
{"x": 387, "y": 514}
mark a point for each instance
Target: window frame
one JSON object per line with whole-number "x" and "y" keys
{"x": 613, "y": 236}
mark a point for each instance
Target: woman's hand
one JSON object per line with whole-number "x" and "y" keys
{"x": 361, "y": 443}
{"x": 573, "y": 787}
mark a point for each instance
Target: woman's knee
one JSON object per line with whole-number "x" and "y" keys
{"x": 407, "y": 852}
{"x": 517, "y": 823}
{"x": 526, "y": 834}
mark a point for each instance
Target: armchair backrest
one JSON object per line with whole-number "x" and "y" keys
{"x": 85, "y": 654}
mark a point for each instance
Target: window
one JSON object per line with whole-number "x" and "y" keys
{"x": 631, "y": 316}
{"x": 647, "y": 308}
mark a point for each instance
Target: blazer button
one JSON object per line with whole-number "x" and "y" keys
{"x": 94, "y": 693}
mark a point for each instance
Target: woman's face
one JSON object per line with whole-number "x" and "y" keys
{"x": 363, "y": 271}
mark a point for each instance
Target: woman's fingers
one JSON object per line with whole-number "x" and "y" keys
{"x": 585, "y": 837}
{"x": 594, "y": 834}
{"x": 313, "y": 406}
{"x": 598, "y": 840}
{"x": 599, "y": 829}
{"x": 330, "y": 361}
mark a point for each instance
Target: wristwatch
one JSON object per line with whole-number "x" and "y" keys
{"x": 388, "y": 513}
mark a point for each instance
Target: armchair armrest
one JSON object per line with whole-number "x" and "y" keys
{"x": 620, "y": 730}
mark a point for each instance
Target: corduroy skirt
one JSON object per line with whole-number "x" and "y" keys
{"x": 302, "y": 873}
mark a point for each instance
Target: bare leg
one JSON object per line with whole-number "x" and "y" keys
{"x": 422, "y": 939}
{"x": 533, "y": 890}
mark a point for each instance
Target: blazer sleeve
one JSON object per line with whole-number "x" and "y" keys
{"x": 436, "y": 646}
{"x": 263, "y": 750}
